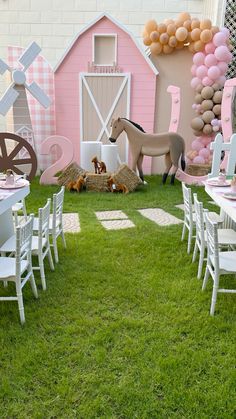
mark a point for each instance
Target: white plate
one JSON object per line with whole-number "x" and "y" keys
{"x": 216, "y": 182}
{"x": 230, "y": 196}
{"x": 18, "y": 184}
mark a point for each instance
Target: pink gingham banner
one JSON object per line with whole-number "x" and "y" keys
{"x": 43, "y": 120}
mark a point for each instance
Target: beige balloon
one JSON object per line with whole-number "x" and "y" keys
{"x": 217, "y": 110}
{"x": 197, "y": 124}
{"x": 198, "y": 98}
{"x": 207, "y": 92}
{"x": 217, "y": 98}
{"x": 207, "y": 104}
{"x": 208, "y": 129}
{"x": 207, "y": 116}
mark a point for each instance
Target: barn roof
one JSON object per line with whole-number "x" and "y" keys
{"x": 123, "y": 28}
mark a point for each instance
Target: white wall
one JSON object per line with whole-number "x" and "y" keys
{"x": 54, "y": 23}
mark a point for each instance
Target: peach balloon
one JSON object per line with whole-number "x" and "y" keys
{"x": 181, "y": 34}
{"x": 214, "y": 29}
{"x": 195, "y": 34}
{"x": 167, "y": 49}
{"x": 198, "y": 46}
{"x": 168, "y": 22}
{"x": 205, "y": 24}
{"x": 147, "y": 41}
{"x": 179, "y": 45}
{"x": 156, "y": 48}
{"x": 195, "y": 24}
{"x": 179, "y": 23}
{"x": 154, "y": 36}
{"x": 150, "y": 26}
{"x": 184, "y": 16}
{"x": 172, "y": 41}
{"x": 191, "y": 47}
{"x": 171, "y": 29}
{"x": 206, "y": 36}
{"x": 187, "y": 25}
{"x": 164, "y": 38}
{"x": 161, "y": 28}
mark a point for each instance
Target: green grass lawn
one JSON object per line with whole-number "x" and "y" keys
{"x": 123, "y": 330}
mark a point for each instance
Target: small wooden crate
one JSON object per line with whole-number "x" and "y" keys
{"x": 198, "y": 169}
{"x": 70, "y": 174}
{"x": 124, "y": 175}
{"x": 97, "y": 183}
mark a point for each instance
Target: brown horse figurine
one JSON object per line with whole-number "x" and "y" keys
{"x": 142, "y": 144}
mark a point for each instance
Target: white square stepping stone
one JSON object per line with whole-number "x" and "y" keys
{"x": 71, "y": 223}
{"x": 117, "y": 224}
{"x": 111, "y": 215}
{"x": 160, "y": 216}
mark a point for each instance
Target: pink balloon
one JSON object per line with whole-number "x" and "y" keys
{"x": 207, "y": 81}
{"x": 213, "y": 72}
{"x": 199, "y": 160}
{"x": 215, "y": 122}
{"x": 225, "y": 31}
{"x": 222, "y": 53}
{"x": 195, "y": 82}
{"x": 221, "y": 80}
{"x": 193, "y": 70}
{"x": 204, "y": 152}
{"x": 210, "y": 48}
{"x": 196, "y": 145}
{"x": 199, "y": 58}
{"x": 219, "y": 39}
{"x": 204, "y": 140}
{"x": 201, "y": 71}
{"x": 210, "y": 60}
{"x": 222, "y": 66}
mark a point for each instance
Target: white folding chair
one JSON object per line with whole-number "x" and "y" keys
{"x": 55, "y": 222}
{"x": 40, "y": 243}
{"x": 226, "y": 236}
{"x": 189, "y": 216}
{"x": 218, "y": 263}
{"x": 19, "y": 268}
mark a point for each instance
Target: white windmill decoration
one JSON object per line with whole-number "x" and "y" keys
{"x": 15, "y": 95}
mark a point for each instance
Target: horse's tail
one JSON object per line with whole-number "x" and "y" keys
{"x": 183, "y": 162}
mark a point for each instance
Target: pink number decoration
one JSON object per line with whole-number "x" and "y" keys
{"x": 67, "y": 154}
{"x": 175, "y": 107}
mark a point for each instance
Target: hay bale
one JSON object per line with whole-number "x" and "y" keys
{"x": 97, "y": 183}
{"x": 198, "y": 169}
{"x": 70, "y": 174}
{"x": 124, "y": 175}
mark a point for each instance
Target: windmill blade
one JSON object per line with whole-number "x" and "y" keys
{"x": 7, "y": 100}
{"x": 29, "y": 55}
{"x": 39, "y": 94}
{"x": 3, "y": 66}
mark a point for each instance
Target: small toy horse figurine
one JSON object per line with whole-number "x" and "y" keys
{"x": 116, "y": 187}
{"x": 77, "y": 185}
{"x": 99, "y": 166}
{"x": 142, "y": 144}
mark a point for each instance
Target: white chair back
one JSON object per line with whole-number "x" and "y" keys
{"x": 58, "y": 200}
{"x": 44, "y": 218}
{"x": 212, "y": 244}
{"x": 198, "y": 206}
{"x": 188, "y": 205}
{"x": 23, "y": 244}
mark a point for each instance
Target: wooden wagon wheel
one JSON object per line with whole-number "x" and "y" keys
{"x": 10, "y": 161}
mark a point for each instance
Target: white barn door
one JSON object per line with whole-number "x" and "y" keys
{"x": 103, "y": 97}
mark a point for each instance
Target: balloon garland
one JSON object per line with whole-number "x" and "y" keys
{"x": 211, "y": 48}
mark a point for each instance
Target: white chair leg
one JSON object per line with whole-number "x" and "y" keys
{"x": 183, "y": 232}
{"x": 54, "y": 241}
{"x": 189, "y": 240}
{"x": 200, "y": 263}
{"x": 206, "y": 276}
{"x": 195, "y": 251}
{"x": 42, "y": 273}
{"x": 50, "y": 259}
{"x": 213, "y": 299}
{"x": 33, "y": 286}
{"x": 63, "y": 239}
{"x": 20, "y": 303}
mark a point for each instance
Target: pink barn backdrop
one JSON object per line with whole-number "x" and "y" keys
{"x": 130, "y": 58}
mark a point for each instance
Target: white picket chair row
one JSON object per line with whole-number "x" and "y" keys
{"x": 42, "y": 227}
{"x": 200, "y": 221}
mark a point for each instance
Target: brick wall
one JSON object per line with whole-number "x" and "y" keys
{"x": 54, "y": 23}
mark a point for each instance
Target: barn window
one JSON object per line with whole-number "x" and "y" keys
{"x": 105, "y": 49}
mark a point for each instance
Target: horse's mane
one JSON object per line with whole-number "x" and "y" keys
{"x": 135, "y": 124}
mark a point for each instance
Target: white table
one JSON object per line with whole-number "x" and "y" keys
{"x": 228, "y": 206}
{"x": 10, "y": 197}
